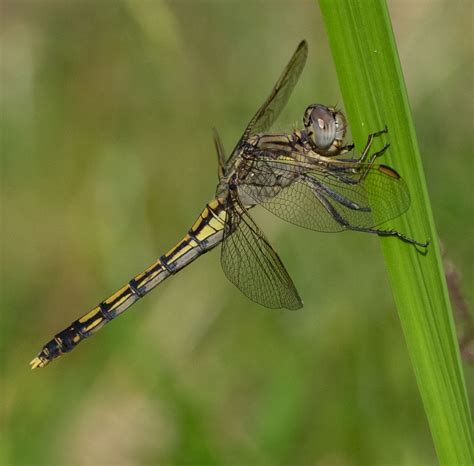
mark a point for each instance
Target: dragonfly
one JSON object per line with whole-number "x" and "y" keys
{"x": 306, "y": 177}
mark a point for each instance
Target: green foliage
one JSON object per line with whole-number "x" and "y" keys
{"x": 374, "y": 93}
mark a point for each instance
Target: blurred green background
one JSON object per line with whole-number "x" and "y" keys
{"x": 107, "y": 159}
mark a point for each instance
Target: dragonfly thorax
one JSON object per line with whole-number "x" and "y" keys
{"x": 325, "y": 128}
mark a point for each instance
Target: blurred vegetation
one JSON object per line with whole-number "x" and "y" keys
{"x": 107, "y": 159}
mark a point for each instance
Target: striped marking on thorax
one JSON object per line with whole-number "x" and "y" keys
{"x": 275, "y": 142}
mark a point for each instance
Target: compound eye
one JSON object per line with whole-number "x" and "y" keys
{"x": 323, "y": 125}
{"x": 341, "y": 125}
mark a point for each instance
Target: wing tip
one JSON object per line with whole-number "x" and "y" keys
{"x": 296, "y": 305}
{"x": 303, "y": 45}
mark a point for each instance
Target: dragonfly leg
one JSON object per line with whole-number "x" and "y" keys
{"x": 345, "y": 225}
{"x": 346, "y": 148}
{"x": 374, "y": 156}
{"x": 379, "y": 153}
{"x": 368, "y": 144}
{"x": 394, "y": 233}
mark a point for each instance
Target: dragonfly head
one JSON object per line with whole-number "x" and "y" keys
{"x": 326, "y": 128}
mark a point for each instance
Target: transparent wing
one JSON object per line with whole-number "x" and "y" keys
{"x": 276, "y": 101}
{"x": 328, "y": 198}
{"x": 220, "y": 153}
{"x": 252, "y": 265}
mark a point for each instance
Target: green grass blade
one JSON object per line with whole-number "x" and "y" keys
{"x": 372, "y": 85}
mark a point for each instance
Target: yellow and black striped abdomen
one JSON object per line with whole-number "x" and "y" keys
{"x": 204, "y": 235}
